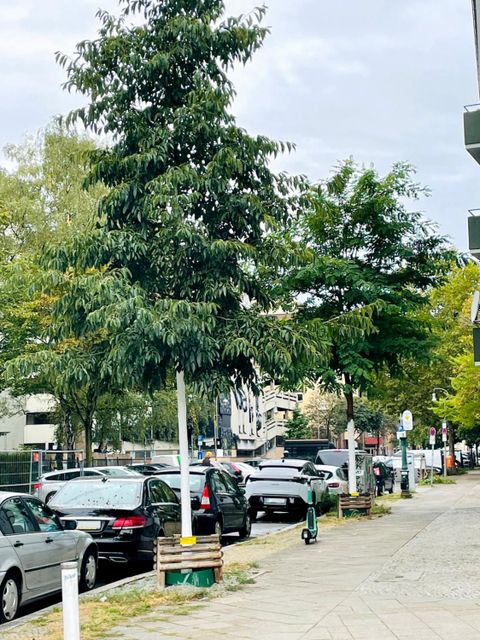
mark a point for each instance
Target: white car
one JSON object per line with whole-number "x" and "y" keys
{"x": 335, "y": 477}
{"x": 49, "y": 483}
{"x": 33, "y": 544}
{"x": 283, "y": 485}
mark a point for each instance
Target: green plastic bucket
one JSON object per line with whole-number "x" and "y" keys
{"x": 349, "y": 513}
{"x": 195, "y": 577}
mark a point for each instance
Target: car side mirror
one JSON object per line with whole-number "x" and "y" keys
{"x": 69, "y": 525}
{"x": 195, "y": 503}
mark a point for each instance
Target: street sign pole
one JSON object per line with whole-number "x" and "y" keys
{"x": 406, "y": 424}
{"x": 444, "y": 440}
{"x": 433, "y": 434}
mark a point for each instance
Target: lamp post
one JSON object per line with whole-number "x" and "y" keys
{"x": 434, "y": 399}
{"x": 405, "y": 424}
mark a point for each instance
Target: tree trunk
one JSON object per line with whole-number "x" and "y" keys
{"x": 91, "y": 405}
{"x": 451, "y": 440}
{"x": 88, "y": 428}
{"x": 352, "y": 471}
{"x": 349, "y": 399}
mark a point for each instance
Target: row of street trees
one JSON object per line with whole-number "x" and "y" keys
{"x": 167, "y": 243}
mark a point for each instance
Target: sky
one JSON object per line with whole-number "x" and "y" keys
{"x": 379, "y": 80}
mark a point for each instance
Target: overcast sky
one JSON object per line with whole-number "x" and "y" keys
{"x": 381, "y": 80}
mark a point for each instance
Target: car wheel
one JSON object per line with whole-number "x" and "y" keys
{"x": 391, "y": 489}
{"x": 88, "y": 571}
{"x": 246, "y": 530}
{"x": 253, "y": 514}
{"x": 9, "y": 598}
{"x": 218, "y": 528}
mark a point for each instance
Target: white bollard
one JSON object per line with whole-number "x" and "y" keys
{"x": 71, "y": 615}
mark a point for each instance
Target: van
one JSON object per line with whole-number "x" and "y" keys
{"x": 172, "y": 460}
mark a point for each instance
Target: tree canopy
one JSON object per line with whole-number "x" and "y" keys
{"x": 369, "y": 252}
{"x": 171, "y": 272}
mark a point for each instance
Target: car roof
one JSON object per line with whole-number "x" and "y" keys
{"x": 56, "y": 471}
{"x": 12, "y": 494}
{"x": 196, "y": 469}
{"x": 110, "y": 479}
{"x": 284, "y": 462}
{"x": 327, "y": 467}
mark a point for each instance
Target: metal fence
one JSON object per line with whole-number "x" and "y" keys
{"x": 19, "y": 470}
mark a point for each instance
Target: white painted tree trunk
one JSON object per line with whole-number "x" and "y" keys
{"x": 184, "y": 460}
{"x": 352, "y": 467}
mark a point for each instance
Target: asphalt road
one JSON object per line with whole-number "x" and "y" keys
{"x": 111, "y": 573}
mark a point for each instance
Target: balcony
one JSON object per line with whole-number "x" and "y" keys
{"x": 471, "y": 126}
{"x": 474, "y": 233}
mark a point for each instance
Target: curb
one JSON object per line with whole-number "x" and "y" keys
{"x": 120, "y": 583}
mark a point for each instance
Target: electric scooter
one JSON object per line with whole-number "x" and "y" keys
{"x": 310, "y": 531}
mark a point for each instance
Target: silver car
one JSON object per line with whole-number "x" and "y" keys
{"x": 283, "y": 485}
{"x": 33, "y": 544}
{"x": 49, "y": 483}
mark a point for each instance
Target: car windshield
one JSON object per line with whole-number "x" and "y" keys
{"x": 197, "y": 481}
{"x": 104, "y": 494}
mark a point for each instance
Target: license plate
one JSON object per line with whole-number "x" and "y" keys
{"x": 89, "y": 525}
{"x": 275, "y": 501}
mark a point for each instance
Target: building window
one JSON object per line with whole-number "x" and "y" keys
{"x": 300, "y": 397}
{"x": 40, "y": 418}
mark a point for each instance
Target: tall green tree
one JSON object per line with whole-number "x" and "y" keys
{"x": 298, "y": 426}
{"x": 42, "y": 200}
{"x": 170, "y": 276}
{"x": 448, "y": 363}
{"x": 369, "y": 251}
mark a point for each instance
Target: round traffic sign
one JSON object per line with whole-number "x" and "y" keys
{"x": 407, "y": 420}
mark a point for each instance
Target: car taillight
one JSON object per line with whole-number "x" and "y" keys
{"x": 130, "y": 522}
{"x": 37, "y": 486}
{"x": 236, "y": 468}
{"x": 205, "y": 501}
{"x": 335, "y": 485}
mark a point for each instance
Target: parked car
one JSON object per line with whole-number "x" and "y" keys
{"x": 218, "y": 503}
{"x": 124, "y": 515}
{"x": 49, "y": 483}
{"x": 148, "y": 469}
{"x": 33, "y": 544}
{"x": 239, "y": 470}
{"x": 282, "y": 485}
{"x": 385, "y": 477}
{"x": 335, "y": 477}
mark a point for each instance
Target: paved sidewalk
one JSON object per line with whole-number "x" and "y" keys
{"x": 412, "y": 575}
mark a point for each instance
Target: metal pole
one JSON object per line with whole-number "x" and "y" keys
{"x": 352, "y": 469}
{"x": 71, "y": 616}
{"x": 30, "y": 483}
{"x": 431, "y": 467}
{"x": 215, "y": 431}
{"x": 444, "y": 459}
{"x": 405, "y": 484}
{"x": 183, "y": 444}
